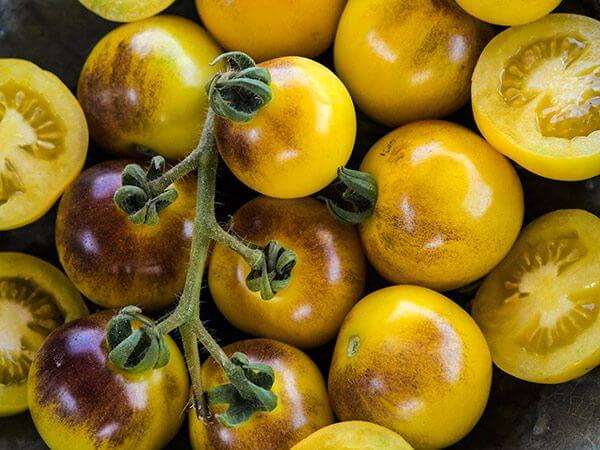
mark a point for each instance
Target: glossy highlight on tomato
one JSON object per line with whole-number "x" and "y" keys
{"x": 114, "y": 262}
{"x": 78, "y": 400}
{"x": 449, "y": 206}
{"x": 295, "y": 144}
{"x": 508, "y": 12}
{"x": 302, "y": 403}
{"x": 329, "y": 276}
{"x": 142, "y": 87}
{"x": 35, "y": 299}
{"x": 407, "y": 60}
{"x": 536, "y": 96}
{"x": 267, "y": 29}
{"x": 539, "y": 308}
{"x": 413, "y": 361}
{"x": 43, "y": 141}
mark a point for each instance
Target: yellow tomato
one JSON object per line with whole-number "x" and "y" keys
{"x": 405, "y": 60}
{"x": 413, "y": 361}
{"x": 329, "y": 276}
{"x": 79, "y": 400}
{"x": 302, "y": 403}
{"x": 142, "y": 87}
{"x": 126, "y": 10}
{"x": 536, "y": 96}
{"x": 43, "y": 141}
{"x": 353, "y": 435}
{"x": 508, "y": 12}
{"x": 449, "y": 206}
{"x": 114, "y": 262}
{"x": 539, "y": 308}
{"x": 35, "y": 298}
{"x": 294, "y": 145}
{"x": 266, "y": 29}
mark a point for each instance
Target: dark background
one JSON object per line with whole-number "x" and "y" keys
{"x": 59, "y": 34}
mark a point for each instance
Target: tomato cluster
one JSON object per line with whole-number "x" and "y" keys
{"x": 434, "y": 208}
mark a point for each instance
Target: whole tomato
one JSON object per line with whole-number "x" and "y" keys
{"x": 267, "y": 29}
{"x": 328, "y": 278}
{"x": 449, "y": 206}
{"x": 406, "y": 60}
{"x": 508, "y": 12}
{"x": 142, "y": 87}
{"x": 295, "y": 144}
{"x": 114, "y": 262}
{"x": 413, "y": 361}
{"x": 302, "y": 403}
{"x": 79, "y": 400}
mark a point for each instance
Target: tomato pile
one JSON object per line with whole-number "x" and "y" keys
{"x": 433, "y": 210}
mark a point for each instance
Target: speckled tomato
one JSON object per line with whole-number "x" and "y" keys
{"x": 302, "y": 405}
{"x": 449, "y": 206}
{"x": 126, "y": 10}
{"x": 267, "y": 29}
{"x": 328, "y": 278}
{"x": 114, "y": 262}
{"x": 142, "y": 87}
{"x": 78, "y": 400}
{"x": 353, "y": 435}
{"x": 307, "y": 129}
{"x": 406, "y": 60}
{"x": 411, "y": 360}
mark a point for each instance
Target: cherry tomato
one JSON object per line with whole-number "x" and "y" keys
{"x": 353, "y": 435}
{"x": 142, "y": 87}
{"x": 449, "y": 206}
{"x": 309, "y": 127}
{"x": 539, "y": 308}
{"x": 405, "y": 60}
{"x": 126, "y": 10}
{"x": 302, "y": 403}
{"x": 79, "y": 400}
{"x": 44, "y": 141}
{"x": 411, "y": 360}
{"x": 508, "y": 12}
{"x": 35, "y": 298}
{"x": 329, "y": 276}
{"x": 114, "y": 262}
{"x": 266, "y": 29}
{"x": 536, "y": 96}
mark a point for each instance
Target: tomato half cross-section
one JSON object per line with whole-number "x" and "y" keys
{"x": 536, "y": 96}
{"x": 43, "y": 141}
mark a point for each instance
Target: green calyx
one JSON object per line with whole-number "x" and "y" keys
{"x": 136, "y": 197}
{"x": 240, "y": 92}
{"x": 274, "y": 271}
{"x": 248, "y": 393}
{"x": 136, "y": 350}
{"x": 357, "y": 196}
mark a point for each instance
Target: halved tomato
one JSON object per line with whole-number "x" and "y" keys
{"x": 536, "y": 96}
{"x": 35, "y": 298}
{"x": 43, "y": 141}
{"x": 126, "y": 10}
{"x": 539, "y": 308}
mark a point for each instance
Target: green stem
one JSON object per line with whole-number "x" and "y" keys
{"x": 190, "y": 348}
{"x": 252, "y": 256}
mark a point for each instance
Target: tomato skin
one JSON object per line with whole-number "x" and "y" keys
{"x": 539, "y": 307}
{"x": 114, "y": 262}
{"x": 267, "y": 29}
{"x": 353, "y": 435}
{"x": 404, "y": 60}
{"x": 79, "y": 400}
{"x": 508, "y": 12}
{"x": 404, "y": 358}
{"x": 534, "y": 108}
{"x": 309, "y": 127}
{"x": 449, "y": 207}
{"x": 35, "y": 297}
{"x": 126, "y": 10}
{"x": 44, "y": 138}
{"x": 302, "y": 407}
{"x": 149, "y": 95}
{"x": 329, "y": 276}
